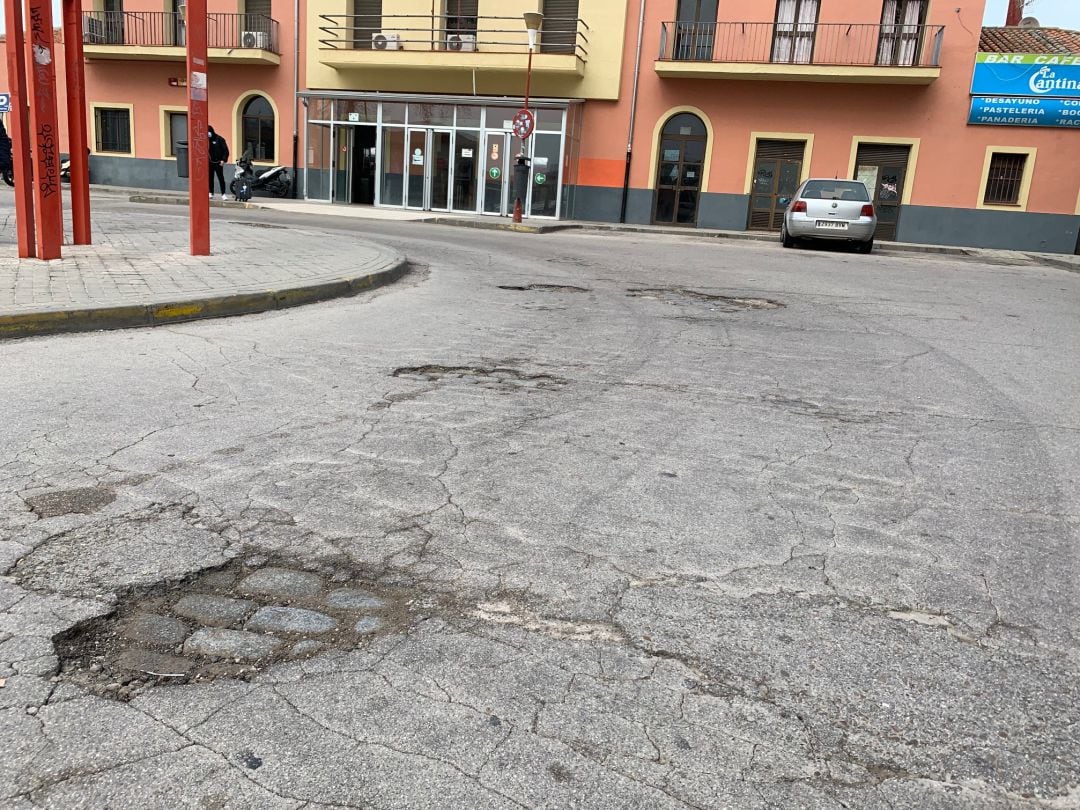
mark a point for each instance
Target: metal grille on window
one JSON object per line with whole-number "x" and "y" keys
{"x": 113, "y": 130}
{"x": 1003, "y": 181}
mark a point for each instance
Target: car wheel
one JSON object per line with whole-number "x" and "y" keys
{"x": 867, "y": 246}
{"x": 785, "y": 237}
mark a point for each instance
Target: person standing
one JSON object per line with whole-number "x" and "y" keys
{"x": 219, "y": 156}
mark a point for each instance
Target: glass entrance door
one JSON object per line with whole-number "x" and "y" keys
{"x": 496, "y": 172}
{"x": 428, "y": 152}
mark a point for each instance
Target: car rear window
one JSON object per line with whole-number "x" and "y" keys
{"x": 835, "y": 190}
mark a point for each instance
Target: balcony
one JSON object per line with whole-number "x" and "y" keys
{"x": 435, "y": 43}
{"x": 159, "y": 36}
{"x": 802, "y": 52}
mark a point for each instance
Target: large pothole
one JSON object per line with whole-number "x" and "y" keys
{"x": 680, "y": 295}
{"x": 503, "y": 378}
{"x": 544, "y": 288}
{"x": 232, "y": 621}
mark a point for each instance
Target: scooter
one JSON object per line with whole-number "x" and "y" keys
{"x": 8, "y": 172}
{"x": 246, "y": 181}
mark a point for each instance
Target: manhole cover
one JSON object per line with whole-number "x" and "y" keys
{"x": 503, "y": 378}
{"x": 231, "y": 621}
{"x": 681, "y": 295}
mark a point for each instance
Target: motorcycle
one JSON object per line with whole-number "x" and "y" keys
{"x": 246, "y": 181}
{"x": 8, "y": 172}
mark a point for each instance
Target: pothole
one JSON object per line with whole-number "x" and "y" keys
{"x": 228, "y": 622}
{"x": 502, "y": 378}
{"x": 82, "y": 500}
{"x": 544, "y": 288}
{"x": 260, "y": 225}
{"x": 681, "y": 295}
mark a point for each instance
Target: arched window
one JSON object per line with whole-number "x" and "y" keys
{"x": 679, "y": 170}
{"x": 257, "y": 128}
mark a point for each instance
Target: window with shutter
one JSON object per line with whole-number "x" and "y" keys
{"x": 560, "y": 29}
{"x": 367, "y": 21}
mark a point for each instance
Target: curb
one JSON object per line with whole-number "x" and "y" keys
{"x": 494, "y": 225}
{"x": 745, "y": 236}
{"x": 127, "y": 316}
{"x": 163, "y": 199}
{"x": 1060, "y": 264}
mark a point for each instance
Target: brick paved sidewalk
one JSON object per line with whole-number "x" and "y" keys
{"x": 141, "y": 261}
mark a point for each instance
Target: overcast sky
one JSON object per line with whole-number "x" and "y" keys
{"x": 1063, "y": 13}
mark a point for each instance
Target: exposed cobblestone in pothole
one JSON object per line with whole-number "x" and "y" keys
{"x": 544, "y": 288}
{"x": 499, "y": 378}
{"x": 82, "y": 500}
{"x": 232, "y": 621}
{"x": 726, "y": 303}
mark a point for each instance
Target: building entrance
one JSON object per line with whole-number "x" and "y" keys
{"x": 429, "y": 154}
{"x": 777, "y": 174}
{"x": 498, "y": 173}
{"x": 354, "y": 176}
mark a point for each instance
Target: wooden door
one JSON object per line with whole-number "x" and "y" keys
{"x": 883, "y": 168}
{"x": 777, "y": 174}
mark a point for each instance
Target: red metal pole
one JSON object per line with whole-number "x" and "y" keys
{"x": 198, "y": 137}
{"x": 20, "y": 129}
{"x": 78, "y": 143}
{"x": 45, "y": 130}
{"x": 528, "y": 79}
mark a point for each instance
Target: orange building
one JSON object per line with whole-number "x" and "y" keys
{"x": 704, "y": 113}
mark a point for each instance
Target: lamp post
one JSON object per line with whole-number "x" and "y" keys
{"x": 523, "y": 121}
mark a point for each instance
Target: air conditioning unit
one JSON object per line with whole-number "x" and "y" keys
{"x": 255, "y": 39}
{"x": 386, "y": 41}
{"x": 93, "y": 31}
{"x": 461, "y": 42}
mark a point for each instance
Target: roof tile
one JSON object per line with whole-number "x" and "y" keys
{"x": 1029, "y": 40}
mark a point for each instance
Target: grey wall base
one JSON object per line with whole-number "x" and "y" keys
{"x": 1004, "y": 230}
{"x": 137, "y": 173}
{"x": 148, "y": 173}
{"x": 598, "y": 204}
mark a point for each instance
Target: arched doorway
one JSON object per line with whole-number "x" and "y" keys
{"x": 680, "y": 165}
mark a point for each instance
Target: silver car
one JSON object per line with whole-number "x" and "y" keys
{"x": 830, "y": 209}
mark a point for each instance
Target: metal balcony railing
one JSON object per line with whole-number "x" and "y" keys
{"x": 423, "y": 32}
{"x": 831, "y": 44}
{"x": 167, "y": 29}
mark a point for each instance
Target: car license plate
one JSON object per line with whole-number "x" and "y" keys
{"x": 832, "y": 224}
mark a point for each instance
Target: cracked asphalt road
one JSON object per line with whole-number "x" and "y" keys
{"x": 659, "y": 550}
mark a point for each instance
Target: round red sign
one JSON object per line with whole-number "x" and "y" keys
{"x": 523, "y": 124}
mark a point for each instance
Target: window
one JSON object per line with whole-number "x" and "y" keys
{"x": 902, "y": 24}
{"x": 176, "y": 130}
{"x": 835, "y": 190}
{"x": 257, "y": 128}
{"x": 112, "y": 130}
{"x": 1005, "y": 180}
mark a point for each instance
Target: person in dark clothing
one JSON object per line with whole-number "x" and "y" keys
{"x": 219, "y": 156}
{"x": 5, "y": 148}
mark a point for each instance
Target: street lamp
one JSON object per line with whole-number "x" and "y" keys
{"x": 523, "y": 121}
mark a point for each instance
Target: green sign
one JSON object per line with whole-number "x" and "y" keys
{"x": 540, "y": 178}
{"x": 494, "y": 172}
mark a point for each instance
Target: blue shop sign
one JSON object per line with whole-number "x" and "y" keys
{"x": 1018, "y": 111}
{"x": 1026, "y": 74}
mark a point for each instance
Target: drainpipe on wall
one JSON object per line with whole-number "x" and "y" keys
{"x": 296, "y": 99}
{"x": 633, "y": 114}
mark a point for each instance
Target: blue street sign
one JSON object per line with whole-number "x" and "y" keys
{"x": 1016, "y": 111}
{"x": 5, "y": 102}
{"x": 1026, "y": 74}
